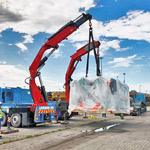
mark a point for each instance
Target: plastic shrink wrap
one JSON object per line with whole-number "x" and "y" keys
{"x": 99, "y": 95}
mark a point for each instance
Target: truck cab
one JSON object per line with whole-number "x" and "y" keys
{"x": 138, "y": 105}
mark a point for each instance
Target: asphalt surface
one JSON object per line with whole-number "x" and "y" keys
{"x": 129, "y": 134}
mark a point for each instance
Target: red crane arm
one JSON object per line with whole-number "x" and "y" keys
{"x": 38, "y": 94}
{"x": 75, "y": 58}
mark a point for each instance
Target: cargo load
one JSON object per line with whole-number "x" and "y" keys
{"x": 99, "y": 95}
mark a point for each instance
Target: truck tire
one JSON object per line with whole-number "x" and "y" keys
{"x": 3, "y": 123}
{"x": 16, "y": 120}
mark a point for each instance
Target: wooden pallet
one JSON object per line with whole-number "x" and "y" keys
{"x": 100, "y": 112}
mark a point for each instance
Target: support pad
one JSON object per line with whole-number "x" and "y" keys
{"x": 8, "y": 131}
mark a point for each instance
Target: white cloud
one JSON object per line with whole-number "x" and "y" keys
{"x": 18, "y": 65}
{"x": 58, "y": 53}
{"x": 21, "y": 46}
{"x": 140, "y": 57}
{"x": 28, "y": 39}
{"x": 145, "y": 87}
{"x": 79, "y": 45}
{"x": 3, "y": 62}
{"x": 133, "y": 26}
{"x": 115, "y": 44}
{"x": 122, "y": 62}
{"x": 11, "y": 76}
{"x": 105, "y": 45}
{"x": 53, "y": 85}
{"x": 26, "y": 16}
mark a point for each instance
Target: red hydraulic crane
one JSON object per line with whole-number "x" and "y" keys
{"x": 38, "y": 93}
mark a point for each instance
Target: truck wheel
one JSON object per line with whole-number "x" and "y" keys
{"x": 16, "y": 120}
{"x": 3, "y": 123}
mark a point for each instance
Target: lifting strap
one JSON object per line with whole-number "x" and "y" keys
{"x": 91, "y": 38}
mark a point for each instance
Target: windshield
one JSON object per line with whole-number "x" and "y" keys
{"x": 136, "y": 104}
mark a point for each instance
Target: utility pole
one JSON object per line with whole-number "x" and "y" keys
{"x": 4, "y": 85}
{"x": 101, "y": 63}
{"x": 140, "y": 88}
{"x": 124, "y": 77}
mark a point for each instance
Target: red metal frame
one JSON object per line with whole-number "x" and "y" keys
{"x": 76, "y": 58}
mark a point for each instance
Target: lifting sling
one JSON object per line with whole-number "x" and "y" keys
{"x": 91, "y": 39}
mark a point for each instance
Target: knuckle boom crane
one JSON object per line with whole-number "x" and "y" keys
{"x": 41, "y": 110}
{"x": 38, "y": 93}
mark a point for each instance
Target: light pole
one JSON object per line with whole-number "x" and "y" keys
{"x": 146, "y": 92}
{"x": 101, "y": 63}
{"x": 124, "y": 77}
{"x": 4, "y": 85}
{"x": 140, "y": 88}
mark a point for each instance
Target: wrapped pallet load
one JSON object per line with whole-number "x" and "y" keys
{"x": 99, "y": 95}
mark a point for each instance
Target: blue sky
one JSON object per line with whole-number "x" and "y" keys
{"x": 122, "y": 27}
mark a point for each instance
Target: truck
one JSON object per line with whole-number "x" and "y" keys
{"x": 20, "y": 100}
{"x": 14, "y": 98}
{"x": 138, "y": 105}
{"x": 41, "y": 110}
{"x": 56, "y": 95}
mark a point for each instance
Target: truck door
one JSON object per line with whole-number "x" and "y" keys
{"x": 3, "y": 97}
{"x": 8, "y": 96}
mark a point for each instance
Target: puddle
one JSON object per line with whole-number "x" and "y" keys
{"x": 106, "y": 128}
{"x": 100, "y": 129}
